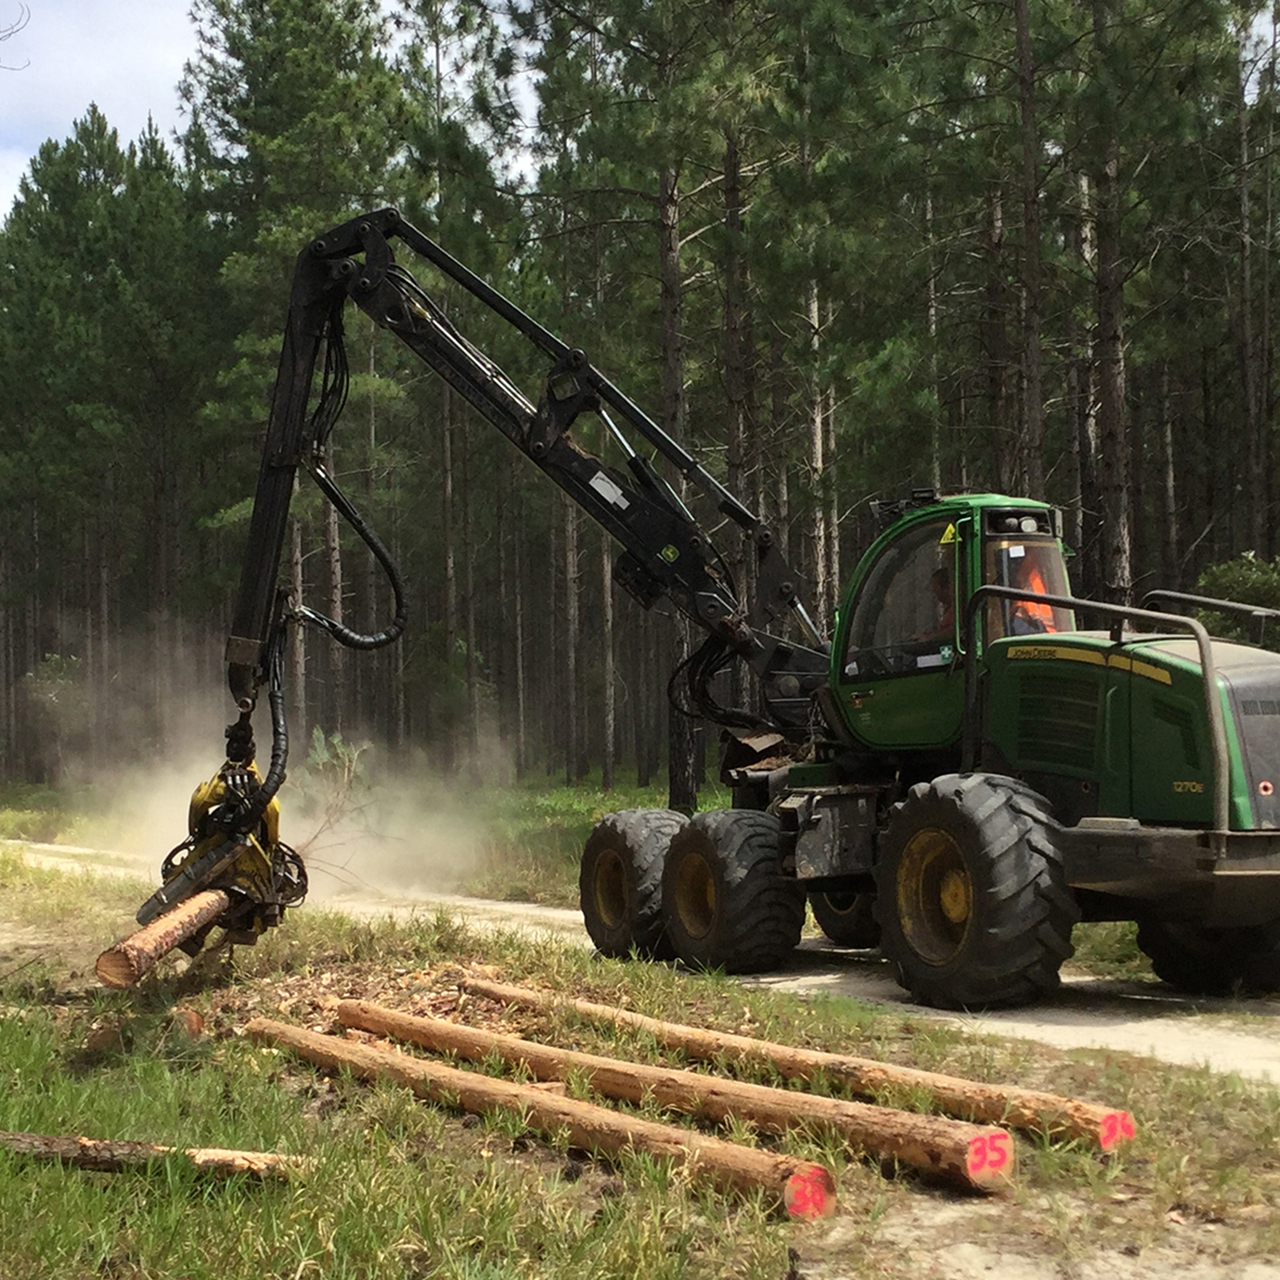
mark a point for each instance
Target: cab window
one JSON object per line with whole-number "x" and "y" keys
{"x": 1029, "y": 564}
{"x": 905, "y": 616}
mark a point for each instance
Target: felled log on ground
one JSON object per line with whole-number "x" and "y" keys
{"x": 807, "y": 1190}
{"x": 1027, "y": 1109}
{"x": 126, "y": 962}
{"x": 974, "y": 1156}
{"x": 111, "y": 1156}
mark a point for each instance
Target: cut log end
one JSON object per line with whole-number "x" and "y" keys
{"x": 114, "y": 969}
{"x": 810, "y": 1193}
{"x": 991, "y": 1159}
{"x": 125, "y": 964}
{"x": 1117, "y": 1127}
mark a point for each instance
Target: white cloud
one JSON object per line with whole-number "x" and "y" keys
{"x": 125, "y": 55}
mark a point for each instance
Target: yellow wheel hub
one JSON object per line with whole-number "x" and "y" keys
{"x": 695, "y": 895}
{"x": 610, "y": 887}
{"x": 955, "y": 896}
{"x": 935, "y": 895}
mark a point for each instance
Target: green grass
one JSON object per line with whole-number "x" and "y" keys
{"x": 38, "y": 813}
{"x": 1110, "y": 950}
{"x": 403, "y": 1189}
{"x": 537, "y": 832}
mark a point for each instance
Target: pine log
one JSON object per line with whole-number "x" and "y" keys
{"x": 976, "y": 1157}
{"x": 111, "y": 1156}
{"x": 126, "y": 962}
{"x": 1026, "y": 1109}
{"x": 807, "y": 1190}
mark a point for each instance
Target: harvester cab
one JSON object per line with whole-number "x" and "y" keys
{"x": 897, "y": 659}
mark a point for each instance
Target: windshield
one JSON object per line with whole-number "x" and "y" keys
{"x": 1028, "y": 564}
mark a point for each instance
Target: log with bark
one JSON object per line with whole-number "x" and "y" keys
{"x": 111, "y": 1156}
{"x": 125, "y": 963}
{"x": 1026, "y": 1109}
{"x": 977, "y": 1157}
{"x": 806, "y": 1190}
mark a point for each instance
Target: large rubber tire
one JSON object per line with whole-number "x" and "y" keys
{"x": 1213, "y": 962}
{"x": 974, "y": 911}
{"x": 725, "y": 899}
{"x": 847, "y": 918}
{"x": 620, "y": 882}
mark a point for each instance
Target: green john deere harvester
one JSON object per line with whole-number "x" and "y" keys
{"x": 981, "y": 774}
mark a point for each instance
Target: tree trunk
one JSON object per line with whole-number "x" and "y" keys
{"x": 113, "y": 1156}
{"x": 806, "y": 1189}
{"x": 522, "y": 751}
{"x": 1032, "y": 433}
{"x": 995, "y": 348}
{"x": 1082, "y": 407}
{"x": 681, "y": 764}
{"x": 930, "y": 1144}
{"x": 1171, "y": 556}
{"x": 471, "y": 668}
{"x": 740, "y": 553}
{"x": 985, "y": 1103}
{"x": 815, "y": 411}
{"x": 1254, "y": 440}
{"x": 337, "y": 654}
{"x": 450, "y": 735}
{"x": 298, "y": 633}
{"x": 1108, "y": 360}
{"x": 607, "y": 756}
{"x": 572, "y": 690}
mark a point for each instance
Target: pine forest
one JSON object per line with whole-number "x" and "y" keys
{"x": 839, "y": 249}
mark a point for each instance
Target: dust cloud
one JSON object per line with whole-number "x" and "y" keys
{"x": 402, "y": 832}
{"x": 365, "y": 829}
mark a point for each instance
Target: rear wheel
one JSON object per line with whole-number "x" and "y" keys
{"x": 1213, "y": 962}
{"x": 973, "y": 908}
{"x": 847, "y": 918}
{"x": 726, "y": 901}
{"x": 620, "y": 883}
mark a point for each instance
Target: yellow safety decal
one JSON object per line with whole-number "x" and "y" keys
{"x": 948, "y": 536}
{"x": 1139, "y": 668}
{"x": 1049, "y": 653}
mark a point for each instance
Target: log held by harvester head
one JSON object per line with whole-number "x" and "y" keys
{"x": 125, "y": 963}
{"x": 806, "y": 1190}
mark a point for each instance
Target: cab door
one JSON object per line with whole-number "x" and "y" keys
{"x": 901, "y": 681}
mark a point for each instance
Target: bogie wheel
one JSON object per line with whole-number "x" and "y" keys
{"x": 1213, "y": 962}
{"x": 847, "y": 918}
{"x": 973, "y": 908}
{"x": 620, "y": 883}
{"x": 726, "y": 901}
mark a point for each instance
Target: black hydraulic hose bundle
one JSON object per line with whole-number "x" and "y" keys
{"x": 342, "y": 634}
{"x": 333, "y": 397}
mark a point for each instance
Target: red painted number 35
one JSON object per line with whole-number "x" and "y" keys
{"x": 989, "y": 1151}
{"x": 1117, "y": 1127}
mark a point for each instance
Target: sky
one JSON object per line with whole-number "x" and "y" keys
{"x": 125, "y": 55}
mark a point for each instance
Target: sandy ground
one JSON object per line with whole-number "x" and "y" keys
{"x": 1130, "y": 1017}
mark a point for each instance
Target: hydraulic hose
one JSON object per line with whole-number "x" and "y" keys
{"x": 342, "y": 634}
{"x": 251, "y": 814}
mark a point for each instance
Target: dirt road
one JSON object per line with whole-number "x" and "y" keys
{"x": 1129, "y": 1017}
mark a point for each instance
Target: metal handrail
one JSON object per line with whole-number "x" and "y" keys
{"x": 1213, "y": 701}
{"x": 1257, "y": 612}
